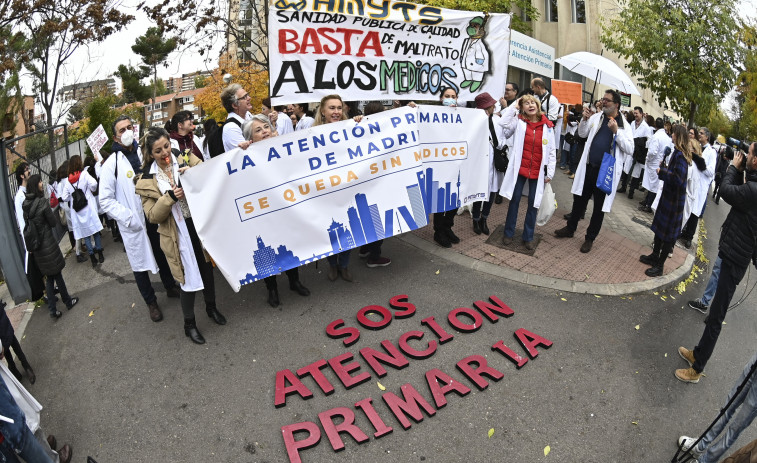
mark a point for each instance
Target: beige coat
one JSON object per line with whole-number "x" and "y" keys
{"x": 157, "y": 208}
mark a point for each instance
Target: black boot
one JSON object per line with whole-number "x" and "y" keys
{"x": 273, "y": 297}
{"x": 30, "y": 374}
{"x": 14, "y": 369}
{"x": 93, "y": 259}
{"x": 213, "y": 313}
{"x": 190, "y": 329}
{"x": 299, "y": 288}
{"x": 484, "y": 227}
{"x": 100, "y": 257}
{"x": 657, "y": 268}
{"x": 476, "y": 227}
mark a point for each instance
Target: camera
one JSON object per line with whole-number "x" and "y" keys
{"x": 739, "y": 144}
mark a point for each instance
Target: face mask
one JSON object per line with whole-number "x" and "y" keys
{"x": 127, "y": 138}
{"x": 449, "y": 102}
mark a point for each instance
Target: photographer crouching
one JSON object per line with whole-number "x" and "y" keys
{"x": 737, "y": 247}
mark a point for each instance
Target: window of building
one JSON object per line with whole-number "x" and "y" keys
{"x": 578, "y": 8}
{"x": 188, "y": 99}
{"x": 550, "y": 10}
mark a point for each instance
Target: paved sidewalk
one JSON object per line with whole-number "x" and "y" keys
{"x": 611, "y": 268}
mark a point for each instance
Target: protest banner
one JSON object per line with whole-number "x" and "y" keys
{"x": 567, "y": 92}
{"x": 365, "y": 50}
{"x": 97, "y": 140}
{"x": 303, "y": 196}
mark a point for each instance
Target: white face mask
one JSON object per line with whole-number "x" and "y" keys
{"x": 449, "y": 102}
{"x": 127, "y": 138}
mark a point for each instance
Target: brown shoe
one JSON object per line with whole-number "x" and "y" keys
{"x": 687, "y": 355}
{"x": 346, "y": 275}
{"x": 564, "y": 232}
{"x": 586, "y": 247}
{"x": 333, "y": 273}
{"x": 52, "y": 441}
{"x": 155, "y": 314}
{"x": 65, "y": 453}
{"x": 529, "y": 245}
{"x": 688, "y": 375}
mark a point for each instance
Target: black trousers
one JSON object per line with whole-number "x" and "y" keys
{"x": 649, "y": 199}
{"x": 480, "y": 211}
{"x": 688, "y": 230}
{"x": 293, "y": 274}
{"x": 730, "y": 277}
{"x": 580, "y": 202}
{"x": 187, "y": 299}
{"x": 19, "y": 353}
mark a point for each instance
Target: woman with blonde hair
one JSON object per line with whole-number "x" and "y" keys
{"x": 331, "y": 110}
{"x": 532, "y": 161}
{"x": 668, "y": 217}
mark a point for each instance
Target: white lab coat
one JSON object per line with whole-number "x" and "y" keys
{"x": 704, "y": 178}
{"x": 655, "y": 154}
{"x": 284, "y": 124}
{"x": 305, "y": 123}
{"x": 86, "y": 222}
{"x": 516, "y": 128}
{"x": 623, "y": 149}
{"x": 550, "y": 106}
{"x": 18, "y": 202}
{"x": 120, "y": 201}
{"x": 474, "y": 59}
{"x": 643, "y": 131}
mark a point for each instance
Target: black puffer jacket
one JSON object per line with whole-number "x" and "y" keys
{"x": 738, "y": 236}
{"x": 48, "y": 256}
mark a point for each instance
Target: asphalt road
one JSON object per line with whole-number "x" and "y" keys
{"x": 119, "y": 387}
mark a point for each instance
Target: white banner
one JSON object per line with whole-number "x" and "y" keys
{"x": 97, "y": 140}
{"x": 366, "y": 50}
{"x": 531, "y": 55}
{"x": 300, "y": 197}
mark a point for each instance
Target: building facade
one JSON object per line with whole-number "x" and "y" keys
{"x": 167, "y": 105}
{"x": 86, "y": 91}
{"x": 15, "y": 125}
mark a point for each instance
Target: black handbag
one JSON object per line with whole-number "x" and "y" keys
{"x": 500, "y": 155}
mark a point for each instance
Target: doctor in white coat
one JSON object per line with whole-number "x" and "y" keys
{"x": 530, "y": 156}
{"x": 120, "y": 201}
{"x": 658, "y": 144}
{"x": 602, "y": 130}
{"x": 704, "y": 179}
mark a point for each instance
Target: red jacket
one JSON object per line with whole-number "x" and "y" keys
{"x": 530, "y": 163}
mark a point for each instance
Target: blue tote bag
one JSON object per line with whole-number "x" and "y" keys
{"x": 607, "y": 170}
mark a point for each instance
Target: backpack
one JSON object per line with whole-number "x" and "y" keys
{"x": 79, "y": 198}
{"x": 31, "y": 234}
{"x": 214, "y": 139}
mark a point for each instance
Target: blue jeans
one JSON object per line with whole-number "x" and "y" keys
{"x": 512, "y": 210}
{"x": 98, "y": 243}
{"x": 712, "y": 283}
{"x": 339, "y": 260}
{"x": 738, "y": 417}
{"x": 564, "y": 158}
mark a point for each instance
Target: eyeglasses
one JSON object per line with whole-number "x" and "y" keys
{"x": 606, "y": 100}
{"x": 245, "y": 97}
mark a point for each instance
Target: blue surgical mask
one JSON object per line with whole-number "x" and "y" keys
{"x": 449, "y": 102}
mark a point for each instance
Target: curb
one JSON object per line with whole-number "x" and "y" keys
{"x": 602, "y": 289}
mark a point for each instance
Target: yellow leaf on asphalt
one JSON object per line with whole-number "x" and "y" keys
{"x": 91, "y": 313}
{"x": 597, "y": 296}
{"x": 663, "y": 297}
{"x": 563, "y": 299}
{"x": 666, "y": 354}
{"x": 437, "y": 272}
{"x": 546, "y": 450}
{"x": 637, "y": 327}
{"x": 381, "y": 386}
{"x": 491, "y": 433}
{"x": 672, "y": 297}
{"x": 725, "y": 323}
{"x": 634, "y": 423}
{"x": 656, "y": 293}
{"x": 133, "y": 304}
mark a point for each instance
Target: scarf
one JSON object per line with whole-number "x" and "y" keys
{"x": 186, "y": 144}
{"x": 73, "y": 178}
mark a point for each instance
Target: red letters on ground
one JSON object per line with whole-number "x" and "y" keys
{"x": 529, "y": 341}
{"x": 347, "y": 425}
{"x": 295, "y": 387}
{"x": 474, "y": 375}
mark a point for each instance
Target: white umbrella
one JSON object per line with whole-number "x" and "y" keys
{"x": 600, "y": 69}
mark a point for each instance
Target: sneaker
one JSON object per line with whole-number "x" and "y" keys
{"x": 572, "y": 176}
{"x": 363, "y": 252}
{"x": 380, "y": 262}
{"x": 688, "y": 375}
{"x": 687, "y": 355}
{"x": 686, "y": 443}
{"x": 696, "y": 304}
{"x": 72, "y": 303}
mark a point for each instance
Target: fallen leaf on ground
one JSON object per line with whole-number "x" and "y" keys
{"x": 634, "y": 423}
{"x": 563, "y": 299}
{"x": 598, "y": 296}
{"x": 91, "y": 313}
{"x": 666, "y": 354}
{"x": 381, "y": 386}
{"x": 725, "y": 323}
{"x": 491, "y": 433}
{"x": 637, "y": 327}
{"x": 656, "y": 293}
{"x": 663, "y": 297}
{"x": 437, "y": 272}
{"x": 546, "y": 450}
{"x": 133, "y": 304}
{"x": 672, "y": 297}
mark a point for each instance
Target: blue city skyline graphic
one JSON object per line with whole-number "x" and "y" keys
{"x": 365, "y": 224}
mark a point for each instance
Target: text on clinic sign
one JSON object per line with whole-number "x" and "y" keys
{"x": 531, "y": 55}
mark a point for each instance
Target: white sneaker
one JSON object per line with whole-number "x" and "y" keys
{"x": 686, "y": 443}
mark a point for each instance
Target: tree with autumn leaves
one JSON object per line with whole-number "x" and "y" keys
{"x": 253, "y": 79}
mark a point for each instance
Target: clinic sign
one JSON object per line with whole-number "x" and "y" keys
{"x": 531, "y": 55}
